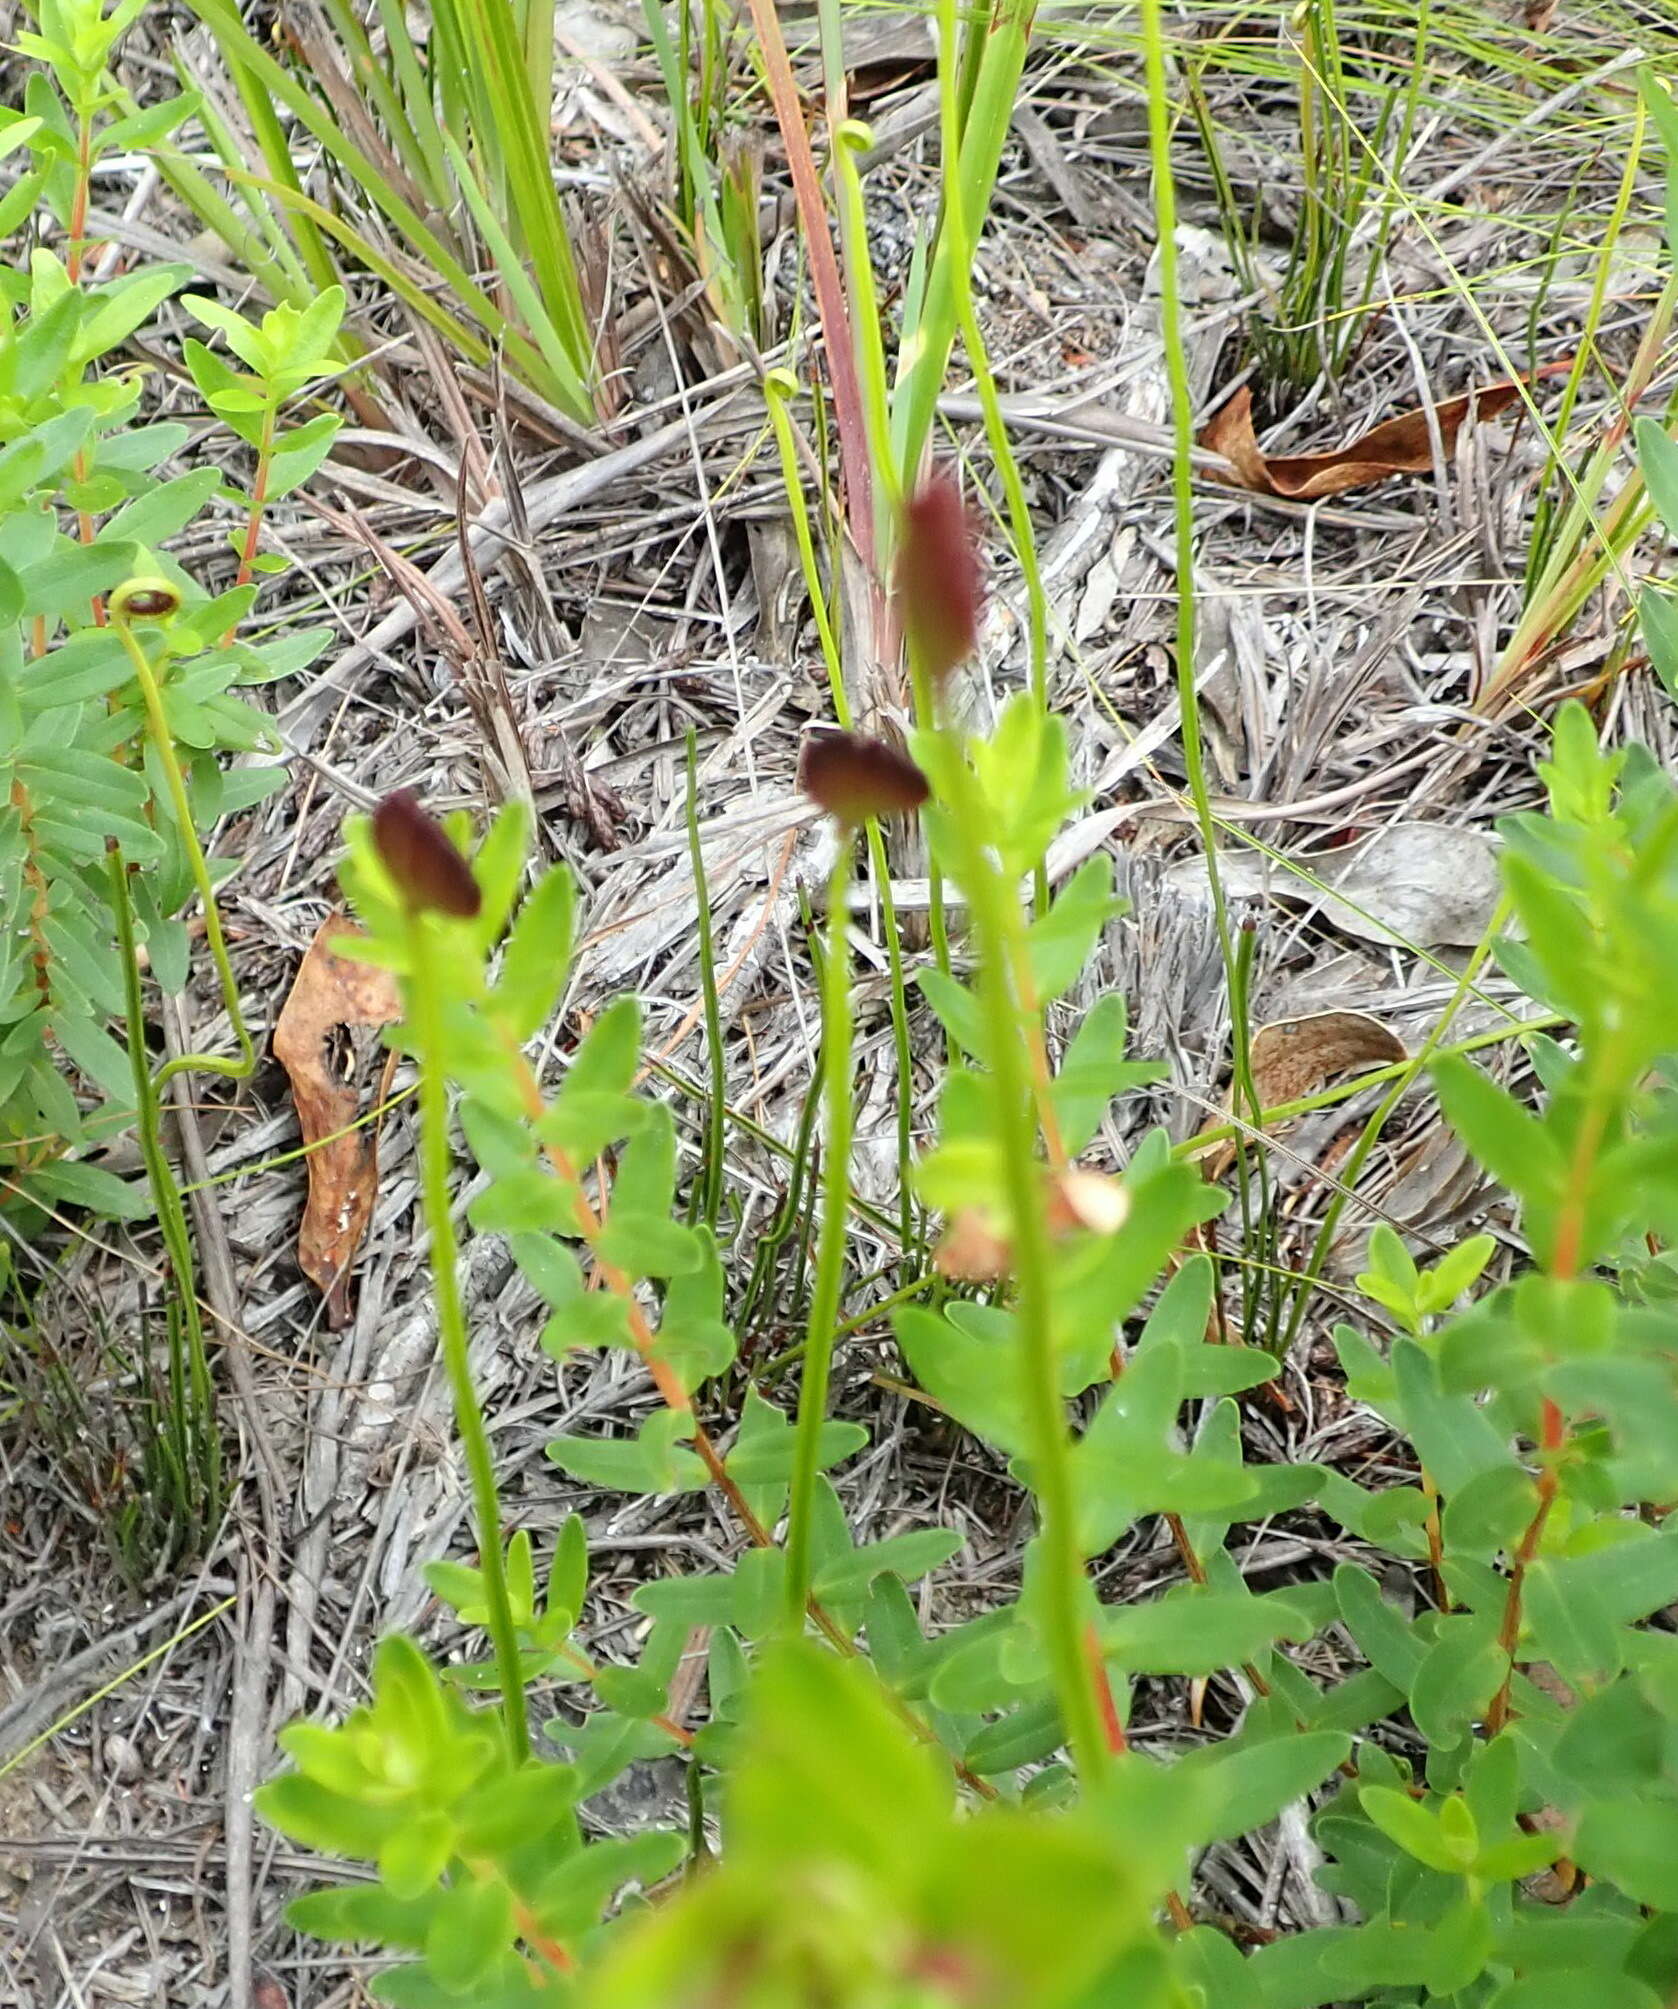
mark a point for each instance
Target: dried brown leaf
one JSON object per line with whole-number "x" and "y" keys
{"x": 1400, "y": 445}
{"x": 313, "y": 1041}
{"x": 1293, "y": 1057}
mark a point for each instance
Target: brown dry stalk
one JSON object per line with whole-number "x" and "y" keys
{"x": 848, "y": 409}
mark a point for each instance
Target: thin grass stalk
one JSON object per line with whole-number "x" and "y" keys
{"x": 838, "y": 1035}
{"x": 1584, "y": 550}
{"x": 564, "y": 381}
{"x": 1419, "y": 58}
{"x": 537, "y": 35}
{"x": 831, "y": 304}
{"x": 474, "y": 349}
{"x": 243, "y": 51}
{"x": 996, "y": 429}
{"x": 425, "y": 1010}
{"x": 708, "y": 1196}
{"x": 924, "y": 351}
{"x": 276, "y": 152}
{"x": 909, "y": 1237}
{"x": 1660, "y": 320}
{"x": 972, "y": 46}
{"x": 1182, "y": 484}
{"x": 414, "y": 126}
{"x": 372, "y": 80}
{"x": 261, "y": 246}
{"x": 849, "y": 142}
{"x": 1552, "y": 498}
{"x": 515, "y": 133}
{"x": 696, "y": 195}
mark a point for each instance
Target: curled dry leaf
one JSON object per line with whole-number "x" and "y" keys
{"x": 1397, "y": 446}
{"x": 1292, "y": 1057}
{"x": 314, "y": 1041}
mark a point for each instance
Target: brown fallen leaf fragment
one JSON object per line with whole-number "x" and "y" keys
{"x": 1396, "y": 446}
{"x": 1292, "y": 1057}
{"x": 314, "y": 1041}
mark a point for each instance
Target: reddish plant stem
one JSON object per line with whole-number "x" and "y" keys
{"x": 1553, "y": 1435}
{"x": 1112, "y": 1728}
{"x": 590, "y": 1673}
{"x": 675, "y": 1396}
{"x": 1435, "y": 1545}
{"x": 78, "y": 201}
{"x": 259, "y": 498}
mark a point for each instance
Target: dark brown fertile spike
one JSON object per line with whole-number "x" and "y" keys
{"x": 430, "y": 873}
{"x": 853, "y": 777}
{"x": 940, "y": 591}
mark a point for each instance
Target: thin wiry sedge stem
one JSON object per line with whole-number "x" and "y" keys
{"x": 425, "y": 1009}
{"x": 163, "y": 743}
{"x": 837, "y": 1038}
{"x": 1182, "y": 485}
{"x": 1407, "y": 1072}
{"x": 192, "y": 1419}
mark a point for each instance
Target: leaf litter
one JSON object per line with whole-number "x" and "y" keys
{"x": 1400, "y": 605}
{"x": 334, "y": 999}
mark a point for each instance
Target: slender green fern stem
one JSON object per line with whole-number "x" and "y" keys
{"x": 425, "y": 1015}
{"x": 998, "y": 923}
{"x": 837, "y": 1102}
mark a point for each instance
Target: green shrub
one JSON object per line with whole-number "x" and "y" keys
{"x": 960, "y": 1817}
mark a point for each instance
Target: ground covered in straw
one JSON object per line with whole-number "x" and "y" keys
{"x": 646, "y": 586}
